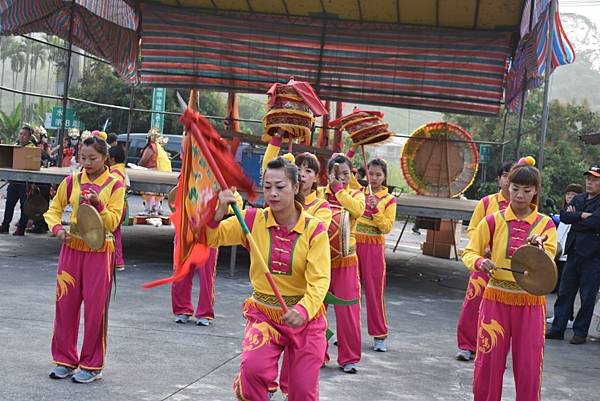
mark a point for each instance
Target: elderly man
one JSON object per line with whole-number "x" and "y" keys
{"x": 17, "y": 191}
{"x": 582, "y": 271}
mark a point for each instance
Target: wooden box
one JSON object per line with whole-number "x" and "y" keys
{"x": 438, "y": 249}
{"x": 444, "y": 232}
{"x": 20, "y": 158}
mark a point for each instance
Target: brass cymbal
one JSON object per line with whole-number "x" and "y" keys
{"x": 90, "y": 226}
{"x": 35, "y": 205}
{"x": 171, "y": 198}
{"x": 534, "y": 270}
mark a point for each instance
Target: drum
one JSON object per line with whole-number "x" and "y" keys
{"x": 289, "y": 113}
{"x": 364, "y": 127}
{"x": 339, "y": 233}
{"x": 440, "y": 159}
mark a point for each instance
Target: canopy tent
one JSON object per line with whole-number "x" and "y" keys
{"x": 444, "y": 55}
{"x": 105, "y": 28}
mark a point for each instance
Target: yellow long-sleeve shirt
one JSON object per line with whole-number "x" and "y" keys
{"x": 110, "y": 190}
{"x": 489, "y": 204}
{"x": 376, "y": 222}
{"x": 503, "y": 233}
{"x": 313, "y": 205}
{"x": 298, "y": 259}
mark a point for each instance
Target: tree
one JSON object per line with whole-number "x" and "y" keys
{"x": 55, "y": 55}
{"x": 100, "y": 84}
{"x": 566, "y": 157}
{"x": 6, "y": 46}
{"x": 17, "y": 63}
{"x": 10, "y": 124}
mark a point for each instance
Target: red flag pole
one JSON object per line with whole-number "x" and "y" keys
{"x": 215, "y": 169}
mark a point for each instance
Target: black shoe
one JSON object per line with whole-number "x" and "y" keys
{"x": 577, "y": 340}
{"x": 554, "y": 336}
{"x": 3, "y": 229}
{"x": 19, "y": 232}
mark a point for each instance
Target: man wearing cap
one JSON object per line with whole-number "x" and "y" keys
{"x": 582, "y": 271}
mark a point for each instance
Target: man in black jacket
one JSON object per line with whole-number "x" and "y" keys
{"x": 582, "y": 271}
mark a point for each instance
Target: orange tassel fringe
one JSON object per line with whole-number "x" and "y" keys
{"x": 513, "y": 298}
{"x": 347, "y": 261}
{"x": 370, "y": 239}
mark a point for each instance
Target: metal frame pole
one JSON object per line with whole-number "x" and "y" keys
{"x": 503, "y": 137}
{"x": 548, "y": 71}
{"x": 129, "y": 119}
{"x": 65, "y": 100}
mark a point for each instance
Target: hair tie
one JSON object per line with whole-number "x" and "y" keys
{"x": 289, "y": 157}
{"x": 528, "y": 160}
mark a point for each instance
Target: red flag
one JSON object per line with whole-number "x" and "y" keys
{"x": 197, "y": 192}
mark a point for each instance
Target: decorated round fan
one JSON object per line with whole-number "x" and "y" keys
{"x": 365, "y": 127}
{"x": 440, "y": 159}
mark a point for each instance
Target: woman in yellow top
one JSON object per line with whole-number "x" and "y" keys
{"x": 296, "y": 247}
{"x": 308, "y": 166}
{"x": 84, "y": 274}
{"x": 377, "y": 220}
{"x": 345, "y": 281}
{"x": 508, "y": 313}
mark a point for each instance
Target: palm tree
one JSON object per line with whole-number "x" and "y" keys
{"x": 38, "y": 60}
{"x": 5, "y": 45}
{"x": 28, "y": 51}
{"x": 17, "y": 63}
{"x": 55, "y": 55}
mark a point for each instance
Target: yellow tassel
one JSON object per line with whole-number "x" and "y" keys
{"x": 274, "y": 313}
{"x": 347, "y": 261}
{"x": 513, "y": 298}
{"x": 79, "y": 245}
{"x": 370, "y": 239}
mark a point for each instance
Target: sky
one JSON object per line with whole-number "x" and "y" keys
{"x": 589, "y": 8}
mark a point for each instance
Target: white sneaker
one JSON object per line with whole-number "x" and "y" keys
{"x": 182, "y": 319}
{"x": 202, "y": 321}
{"x": 464, "y": 355}
{"x": 379, "y": 345}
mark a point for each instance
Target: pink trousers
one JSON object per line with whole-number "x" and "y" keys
{"x": 371, "y": 261}
{"x": 82, "y": 277}
{"x": 466, "y": 330}
{"x": 119, "y": 261}
{"x": 264, "y": 341}
{"x": 345, "y": 284}
{"x": 502, "y": 327}
{"x": 181, "y": 291}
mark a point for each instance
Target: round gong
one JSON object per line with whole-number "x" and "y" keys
{"x": 542, "y": 273}
{"x": 90, "y": 226}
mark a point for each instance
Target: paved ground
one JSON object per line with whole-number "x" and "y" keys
{"x": 152, "y": 358}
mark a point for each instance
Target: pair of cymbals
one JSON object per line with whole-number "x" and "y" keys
{"x": 90, "y": 226}
{"x": 534, "y": 270}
